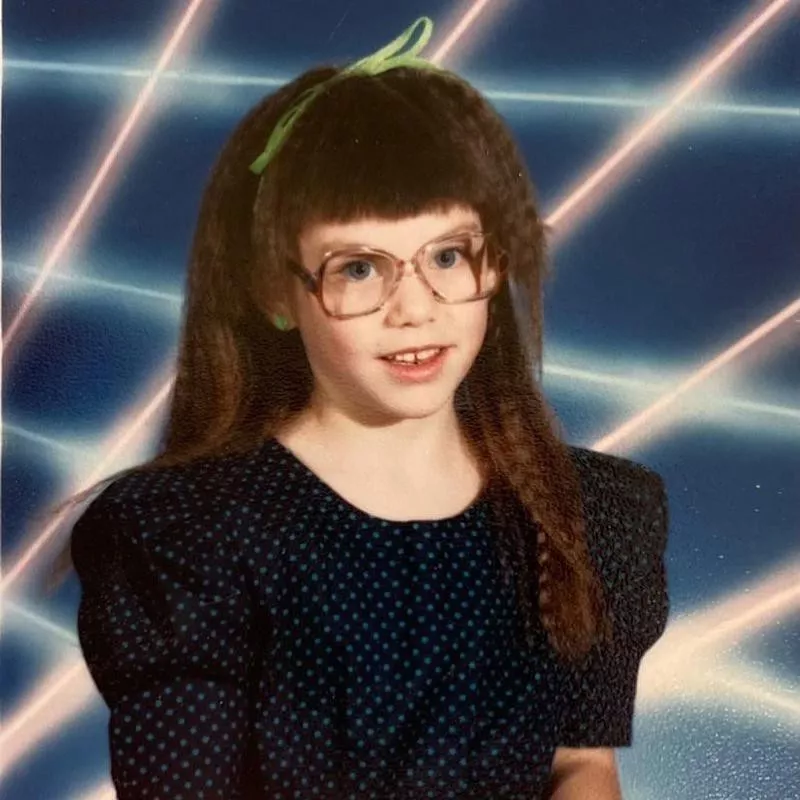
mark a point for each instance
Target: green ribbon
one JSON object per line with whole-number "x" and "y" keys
{"x": 388, "y": 57}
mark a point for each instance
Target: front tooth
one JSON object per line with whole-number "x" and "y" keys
{"x": 412, "y": 358}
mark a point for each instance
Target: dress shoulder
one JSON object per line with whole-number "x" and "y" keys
{"x": 626, "y": 508}
{"x": 627, "y": 519}
{"x": 168, "y": 631}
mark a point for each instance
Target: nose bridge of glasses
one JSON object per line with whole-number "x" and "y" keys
{"x": 408, "y": 267}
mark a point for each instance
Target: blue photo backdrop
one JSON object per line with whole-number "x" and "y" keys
{"x": 674, "y": 309}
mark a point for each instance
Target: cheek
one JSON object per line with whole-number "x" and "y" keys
{"x": 333, "y": 346}
{"x": 474, "y": 327}
{"x": 340, "y": 354}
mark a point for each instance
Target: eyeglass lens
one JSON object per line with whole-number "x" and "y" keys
{"x": 358, "y": 282}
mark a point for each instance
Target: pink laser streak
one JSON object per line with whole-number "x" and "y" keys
{"x": 54, "y": 701}
{"x": 646, "y": 132}
{"x": 646, "y": 417}
{"x": 459, "y": 30}
{"x": 65, "y": 238}
{"x": 121, "y": 444}
{"x": 690, "y": 648}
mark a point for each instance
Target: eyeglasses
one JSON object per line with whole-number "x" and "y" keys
{"x": 459, "y": 267}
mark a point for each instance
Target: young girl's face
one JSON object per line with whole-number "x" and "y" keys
{"x": 345, "y": 354}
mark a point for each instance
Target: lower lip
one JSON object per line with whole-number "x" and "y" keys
{"x": 418, "y": 373}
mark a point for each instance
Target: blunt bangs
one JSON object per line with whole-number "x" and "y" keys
{"x": 389, "y": 146}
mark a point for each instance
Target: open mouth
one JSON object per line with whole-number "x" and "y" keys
{"x": 419, "y": 357}
{"x": 422, "y": 366}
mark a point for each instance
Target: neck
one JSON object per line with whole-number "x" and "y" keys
{"x": 404, "y": 448}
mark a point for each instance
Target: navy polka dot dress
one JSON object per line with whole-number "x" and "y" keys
{"x": 254, "y": 635}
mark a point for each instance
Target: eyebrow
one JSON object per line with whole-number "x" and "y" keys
{"x": 330, "y": 245}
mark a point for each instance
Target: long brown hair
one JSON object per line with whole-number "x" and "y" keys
{"x": 393, "y": 145}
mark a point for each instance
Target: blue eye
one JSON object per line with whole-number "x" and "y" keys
{"x": 452, "y": 254}
{"x": 357, "y": 269}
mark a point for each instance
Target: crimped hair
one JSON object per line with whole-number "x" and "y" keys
{"x": 393, "y": 145}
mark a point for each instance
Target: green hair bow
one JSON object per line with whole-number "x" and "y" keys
{"x": 388, "y": 57}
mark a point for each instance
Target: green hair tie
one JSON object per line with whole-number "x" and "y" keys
{"x": 281, "y": 323}
{"x": 388, "y": 57}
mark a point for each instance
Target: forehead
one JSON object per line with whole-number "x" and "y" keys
{"x": 402, "y": 236}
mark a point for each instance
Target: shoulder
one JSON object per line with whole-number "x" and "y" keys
{"x": 626, "y": 512}
{"x": 626, "y": 522}
{"x": 166, "y": 589}
{"x": 619, "y": 486}
{"x": 213, "y": 482}
{"x": 198, "y": 507}
{"x": 200, "y": 483}
{"x": 600, "y": 472}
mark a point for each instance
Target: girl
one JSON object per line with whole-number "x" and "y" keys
{"x": 352, "y": 573}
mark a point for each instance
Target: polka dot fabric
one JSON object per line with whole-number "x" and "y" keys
{"x": 256, "y": 636}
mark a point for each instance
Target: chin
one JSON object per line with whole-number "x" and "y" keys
{"x": 420, "y": 407}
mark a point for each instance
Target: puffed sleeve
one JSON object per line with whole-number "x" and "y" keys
{"x": 628, "y": 545}
{"x": 167, "y": 633}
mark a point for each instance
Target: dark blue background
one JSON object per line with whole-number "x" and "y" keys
{"x": 694, "y": 248}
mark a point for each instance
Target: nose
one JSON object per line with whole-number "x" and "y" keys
{"x": 412, "y": 299}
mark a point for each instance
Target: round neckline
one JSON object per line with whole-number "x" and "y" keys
{"x": 464, "y": 515}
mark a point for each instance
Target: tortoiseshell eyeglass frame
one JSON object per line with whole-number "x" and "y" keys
{"x": 313, "y": 280}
